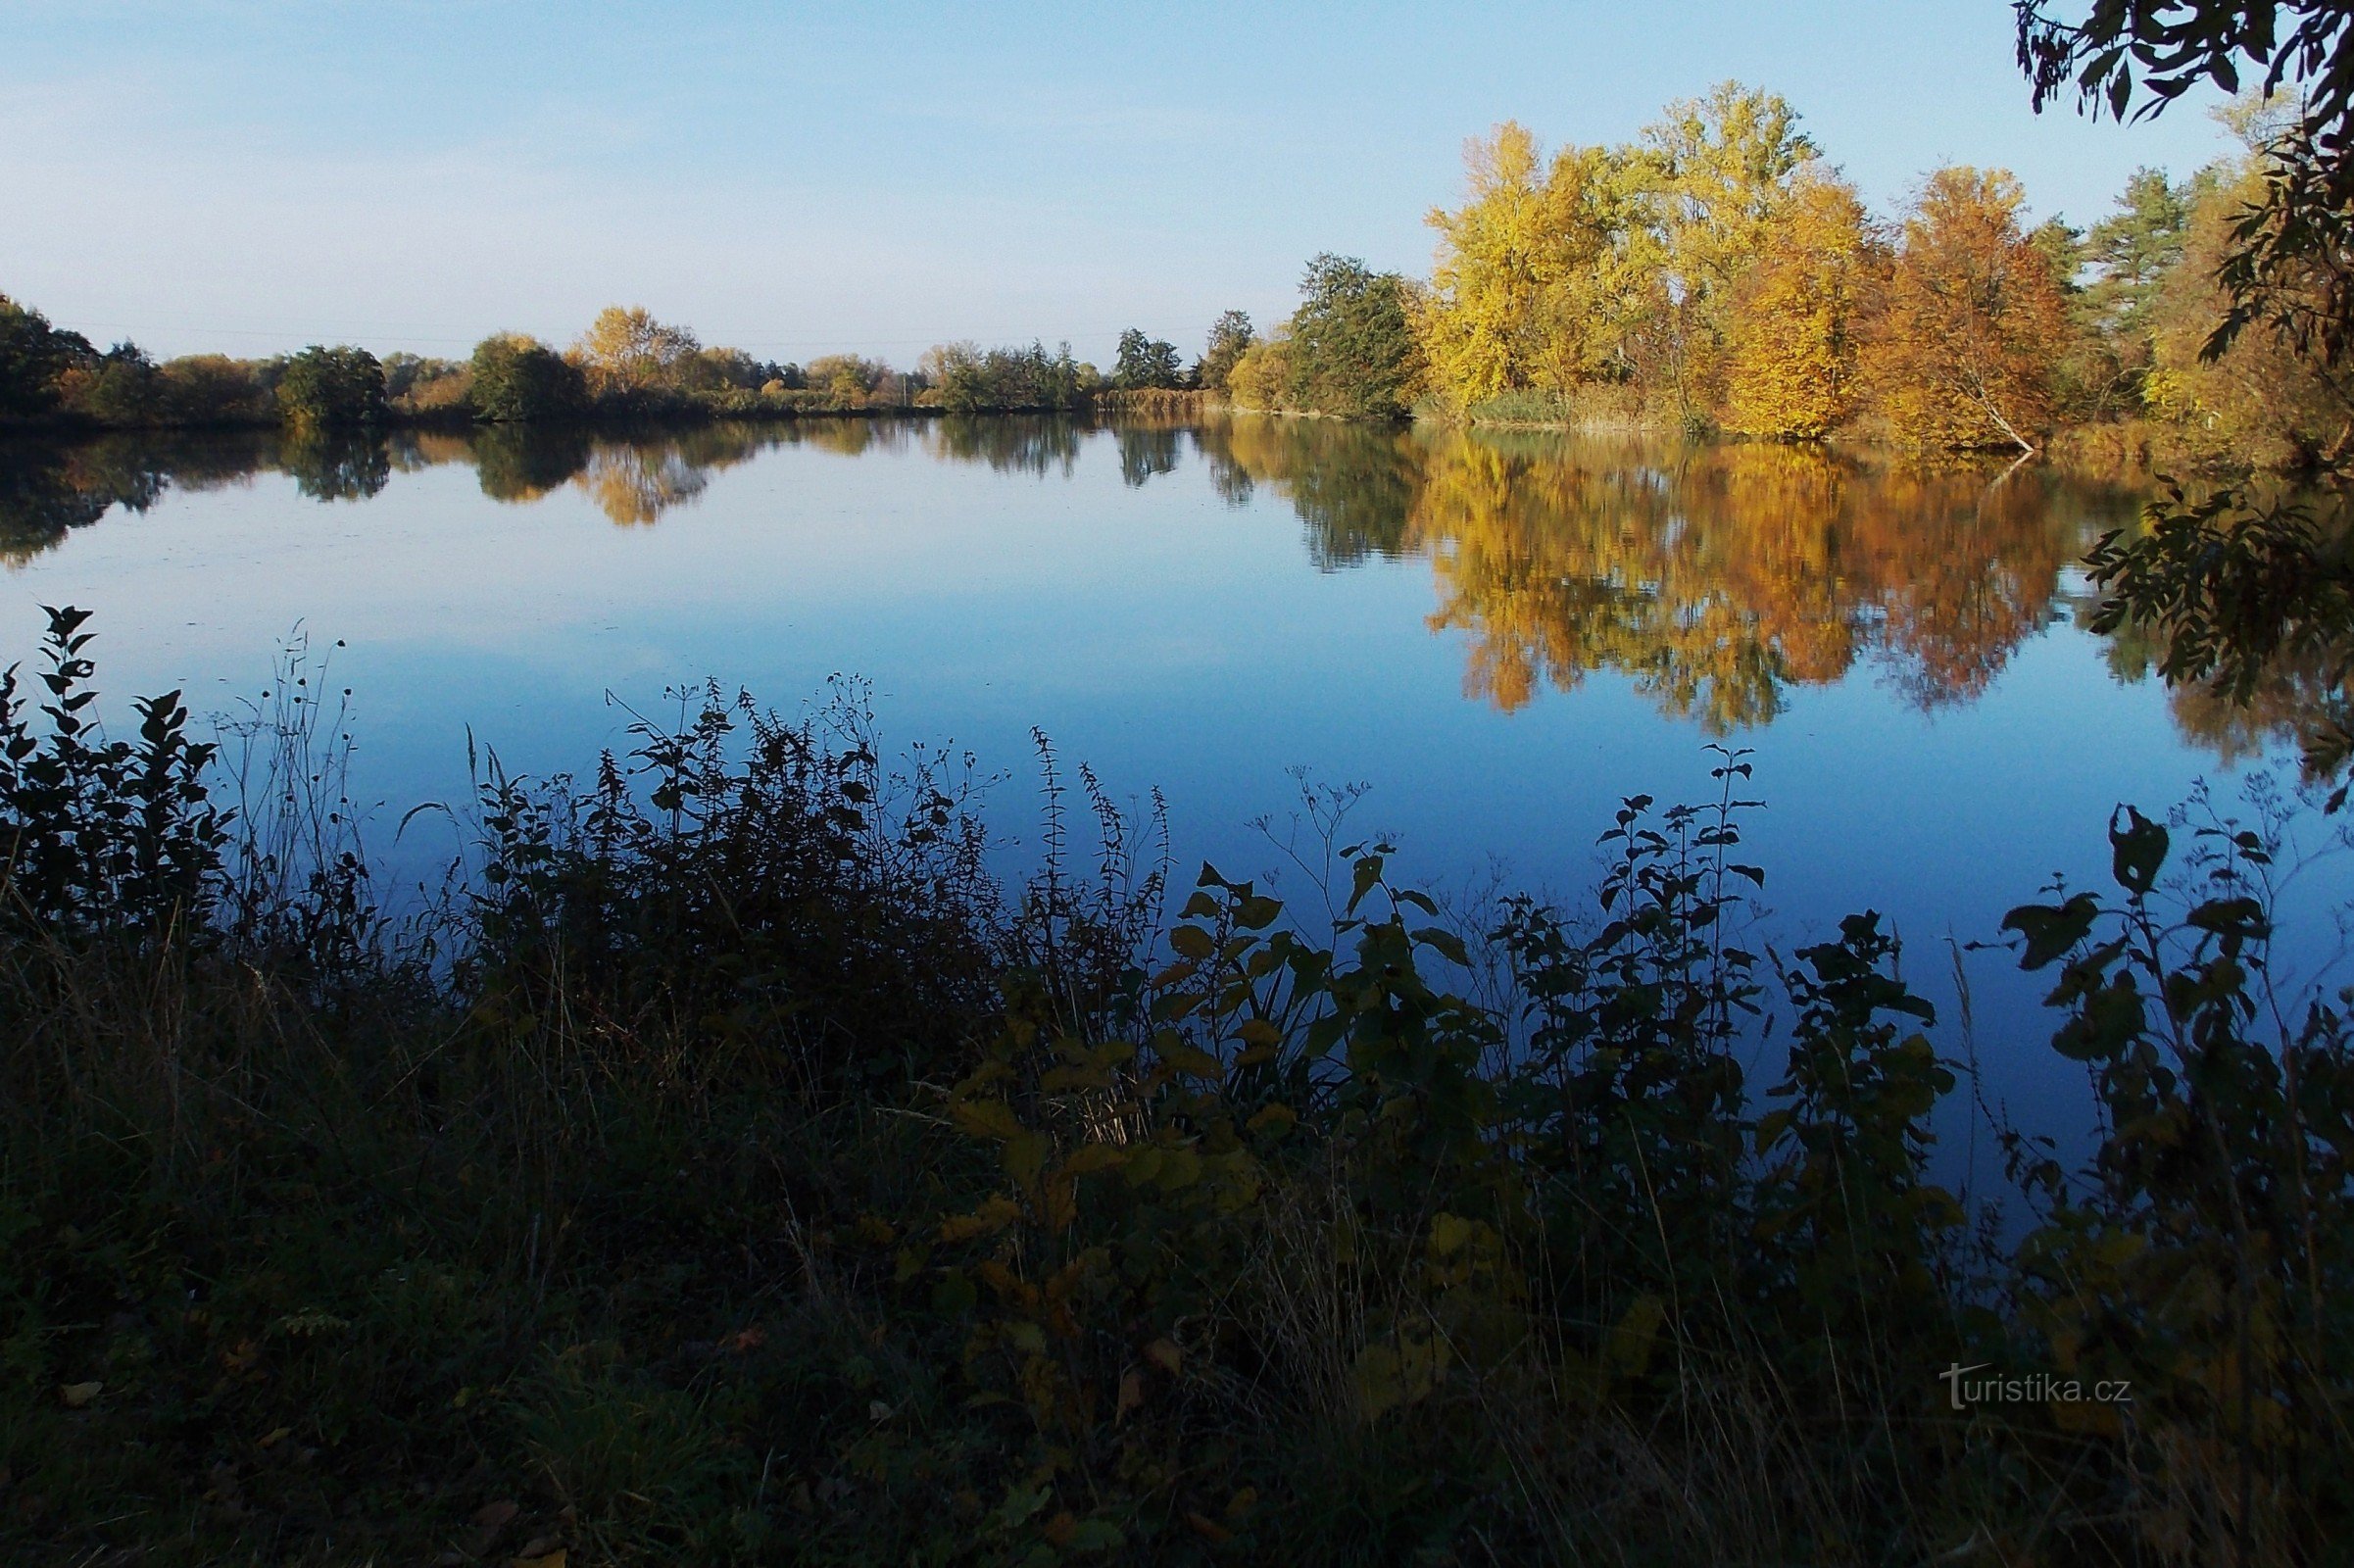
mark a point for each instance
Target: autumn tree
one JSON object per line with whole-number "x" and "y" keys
{"x": 626, "y": 349}
{"x": 121, "y": 388}
{"x": 1964, "y": 346}
{"x": 1608, "y": 263}
{"x": 846, "y": 379}
{"x": 1497, "y": 255}
{"x": 1261, "y": 377}
{"x": 1722, "y": 168}
{"x": 1792, "y": 341}
{"x": 2259, "y": 397}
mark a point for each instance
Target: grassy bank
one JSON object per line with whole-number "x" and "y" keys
{"x": 729, "y": 1168}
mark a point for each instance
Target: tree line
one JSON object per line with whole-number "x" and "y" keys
{"x": 1718, "y": 273}
{"x": 627, "y": 364}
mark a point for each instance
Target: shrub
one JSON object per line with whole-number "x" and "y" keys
{"x": 331, "y": 389}
{"x": 519, "y": 378}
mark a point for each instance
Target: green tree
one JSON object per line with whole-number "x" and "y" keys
{"x": 1351, "y": 348}
{"x": 1145, "y": 361}
{"x": 2231, "y": 585}
{"x": 33, "y": 354}
{"x": 521, "y": 378}
{"x": 1229, "y": 336}
{"x": 2133, "y": 249}
{"x": 121, "y": 388}
{"x": 331, "y": 389}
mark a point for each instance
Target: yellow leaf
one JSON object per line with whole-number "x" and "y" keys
{"x": 77, "y": 1395}
{"x": 1276, "y": 1118}
{"x": 1448, "y": 1232}
{"x": 1193, "y": 1062}
{"x": 986, "y": 1118}
{"x": 1380, "y": 1387}
{"x": 1024, "y": 1155}
{"x": 1629, "y": 1349}
{"x": 990, "y": 1217}
{"x": 1088, "y": 1158}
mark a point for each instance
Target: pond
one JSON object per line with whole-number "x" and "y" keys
{"x": 1502, "y": 634}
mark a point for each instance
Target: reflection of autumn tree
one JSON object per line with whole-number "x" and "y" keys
{"x": 634, "y": 482}
{"x": 520, "y": 462}
{"x": 2298, "y": 692}
{"x": 1559, "y": 562}
{"x": 2290, "y": 698}
{"x": 1719, "y": 578}
{"x": 1713, "y": 576}
{"x": 1965, "y": 570}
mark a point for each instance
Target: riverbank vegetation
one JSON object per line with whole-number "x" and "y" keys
{"x": 627, "y": 367}
{"x": 727, "y": 1168}
{"x": 1718, "y": 273}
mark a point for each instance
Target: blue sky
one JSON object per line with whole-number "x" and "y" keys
{"x": 797, "y": 179}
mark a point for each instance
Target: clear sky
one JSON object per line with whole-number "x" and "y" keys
{"x": 795, "y": 179}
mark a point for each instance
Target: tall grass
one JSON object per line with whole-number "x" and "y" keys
{"x": 730, "y": 1169}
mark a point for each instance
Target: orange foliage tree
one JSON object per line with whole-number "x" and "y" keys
{"x": 1792, "y": 371}
{"x": 1972, "y": 322}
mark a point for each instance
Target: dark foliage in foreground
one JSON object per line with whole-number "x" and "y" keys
{"x": 729, "y": 1171}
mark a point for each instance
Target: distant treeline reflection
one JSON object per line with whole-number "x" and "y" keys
{"x": 1716, "y": 576}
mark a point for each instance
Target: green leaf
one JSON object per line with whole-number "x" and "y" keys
{"x": 1192, "y": 942}
{"x": 1446, "y": 944}
{"x": 2050, "y": 930}
{"x": 2138, "y": 850}
{"x": 1257, "y": 914}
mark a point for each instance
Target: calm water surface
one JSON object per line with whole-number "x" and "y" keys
{"x": 1503, "y": 635}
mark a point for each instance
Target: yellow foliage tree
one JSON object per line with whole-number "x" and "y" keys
{"x": 1493, "y": 263}
{"x": 1261, "y": 376}
{"x": 1538, "y": 274}
{"x": 1973, "y": 322}
{"x": 626, "y": 347}
{"x": 1793, "y": 337}
{"x": 1608, "y": 263}
{"x": 1722, "y": 168}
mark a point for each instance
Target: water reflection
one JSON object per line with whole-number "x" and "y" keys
{"x": 1716, "y": 577}
{"x": 47, "y": 489}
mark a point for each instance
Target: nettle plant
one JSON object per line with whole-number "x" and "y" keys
{"x": 98, "y": 835}
{"x": 2200, "y": 1257}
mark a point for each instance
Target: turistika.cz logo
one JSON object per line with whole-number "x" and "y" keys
{"x": 2029, "y": 1388}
